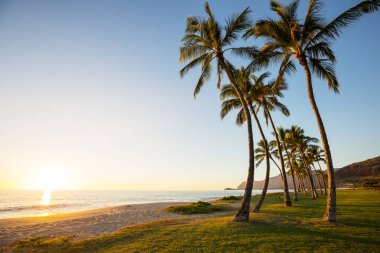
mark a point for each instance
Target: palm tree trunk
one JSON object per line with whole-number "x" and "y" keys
{"x": 319, "y": 180}
{"x": 292, "y": 171}
{"x": 243, "y": 213}
{"x": 303, "y": 185}
{"x": 313, "y": 190}
{"x": 323, "y": 178}
{"x": 309, "y": 174}
{"x": 278, "y": 167}
{"x": 287, "y": 199}
{"x": 330, "y": 214}
{"x": 266, "y": 182}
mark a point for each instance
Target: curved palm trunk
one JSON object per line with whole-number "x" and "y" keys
{"x": 287, "y": 199}
{"x": 266, "y": 182}
{"x": 317, "y": 176}
{"x": 323, "y": 178}
{"x": 319, "y": 180}
{"x": 330, "y": 214}
{"x": 292, "y": 171}
{"x": 313, "y": 190}
{"x": 278, "y": 167}
{"x": 303, "y": 185}
{"x": 243, "y": 212}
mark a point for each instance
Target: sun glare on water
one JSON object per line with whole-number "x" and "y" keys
{"x": 48, "y": 180}
{"x": 45, "y": 200}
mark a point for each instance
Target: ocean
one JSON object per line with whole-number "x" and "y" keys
{"x": 30, "y": 203}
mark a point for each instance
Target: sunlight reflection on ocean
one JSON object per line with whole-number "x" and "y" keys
{"x": 27, "y": 203}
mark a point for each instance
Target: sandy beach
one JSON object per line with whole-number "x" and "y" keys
{"x": 86, "y": 224}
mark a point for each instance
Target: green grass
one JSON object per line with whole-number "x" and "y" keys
{"x": 199, "y": 207}
{"x": 276, "y": 229}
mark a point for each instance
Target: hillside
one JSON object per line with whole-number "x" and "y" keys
{"x": 355, "y": 171}
{"x": 274, "y": 183}
{"x": 346, "y": 175}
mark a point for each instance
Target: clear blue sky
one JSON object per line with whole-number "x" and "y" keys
{"x": 90, "y": 90}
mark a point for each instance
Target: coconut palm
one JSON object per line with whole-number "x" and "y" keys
{"x": 282, "y": 136}
{"x": 299, "y": 144}
{"x": 290, "y": 39}
{"x": 231, "y": 101}
{"x": 318, "y": 155}
{"x": 266, "y": 99}
{"x": 204, "y": 44}
{"x": 261, "y": 152}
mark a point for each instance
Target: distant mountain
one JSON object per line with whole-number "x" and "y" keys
{"x": 346, "y": 175}
{"x": 274, "y": 183}
{"x": 353, "y": 172}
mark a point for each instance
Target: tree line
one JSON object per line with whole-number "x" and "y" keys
{"x": 289, "y": 42}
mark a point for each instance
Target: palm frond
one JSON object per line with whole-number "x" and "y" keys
{"x": 240, "y": 118}
{"x": 190, "y": 52}
{"x": 197, "y": 61}
{"x": 324, "y": 69}
{"x": 235, "y": 25}
{"x": 219, "y": 74}
{"x": 228, "y": 106}
{"x": 228, "y": 92}
{"x": 321, "y": 50}
{"x": 205, "y": 75}
{"x": 194, "y": 24}
{"x": 334, "y": 29}
{"x": 245, "y": 52}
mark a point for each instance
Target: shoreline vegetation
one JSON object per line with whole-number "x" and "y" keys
{"x": 269, "y": 230}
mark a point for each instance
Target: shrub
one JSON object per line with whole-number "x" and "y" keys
{"x": 199, "y": 207}
{"x": 229, "y": 198}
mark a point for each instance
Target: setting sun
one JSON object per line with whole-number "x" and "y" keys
{"x": 50, "y": 179}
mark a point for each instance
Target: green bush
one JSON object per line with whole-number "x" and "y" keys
{"x": 369, "y": 182}
{"x": 199, "y": 207}
{"x": 229, "y": 198}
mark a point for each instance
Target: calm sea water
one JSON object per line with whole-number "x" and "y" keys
{"x": 20, "y": 203}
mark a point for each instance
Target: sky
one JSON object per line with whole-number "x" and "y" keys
{"x": 91, "y": 98}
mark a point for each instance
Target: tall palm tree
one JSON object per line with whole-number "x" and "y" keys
{"x": 316, "y": 152}
{"x": 231, "y": 101}
{"x": 290, "y": 39}
{"x": 300, "y": 144}
{"x": 204, "y": 43}
{"x": 282, "y": 136}
{"x": 320, "y": 157}
{"x": 267, "y": 99}
{"x": 261, "y": 152}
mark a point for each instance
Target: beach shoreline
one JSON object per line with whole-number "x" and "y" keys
{"x": 88, "y": 223}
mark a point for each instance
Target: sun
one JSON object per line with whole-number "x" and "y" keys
{"x": 50, "y": 179}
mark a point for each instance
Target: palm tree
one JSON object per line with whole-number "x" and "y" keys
{"x": 231, "y": 101}
{"x": 266, "y": 98}
{"x": 300, "y": 144}
{"x": 307, "y": 41}
{"x": 205, "y": 42}
{"x": 261, "y": 152}
{"x": 282, "y": 136}
{"x": 273, "y": 151}
{"x": 316, "y": 152}
{"x": 320, "y": 157}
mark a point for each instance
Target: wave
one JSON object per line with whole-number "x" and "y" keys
{"x": 33, "y": 207}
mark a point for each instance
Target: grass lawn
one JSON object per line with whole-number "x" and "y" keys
{"x": 275, "y": 229}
